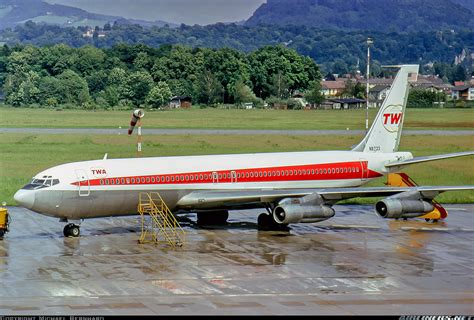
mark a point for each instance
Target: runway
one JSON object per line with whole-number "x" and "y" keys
{"x": 150, "y": 131}
{"x": 356, "y": 263}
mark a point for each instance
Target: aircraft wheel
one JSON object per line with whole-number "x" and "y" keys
{"x": 267, "y": 223}
{"x": 212, "y": 218}
{"x": 2, "y": 233}
{"x": 427, "y": 220}
{"x": 435, "y": 220}
{"x": 72, "y": 230}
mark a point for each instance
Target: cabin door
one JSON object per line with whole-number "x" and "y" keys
{"x": 364, "y": 169}
{"x": 83, "y": 183}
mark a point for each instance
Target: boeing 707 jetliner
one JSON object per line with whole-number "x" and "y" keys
{"x": 293, "y": 187}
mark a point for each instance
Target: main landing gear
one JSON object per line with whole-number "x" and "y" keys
{"x": 212, "y": 218}
{"x": 267, "y": 223}
{"x": 72, "y": 230}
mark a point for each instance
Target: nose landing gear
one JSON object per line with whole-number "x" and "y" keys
{"x": 72, "y": 230}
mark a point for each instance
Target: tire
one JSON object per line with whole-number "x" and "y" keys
{"x": 71, "y": 230}
{"x": 212, "y": 218}
{"x": 66, "y": 230}
{"x": 2, "y": 233}
{"x": 267, "y": 223}
{"x": 75, "y": 231}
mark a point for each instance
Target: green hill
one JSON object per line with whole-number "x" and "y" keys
{"x": 377, "y": 15}
{"x": 14, "y": 12}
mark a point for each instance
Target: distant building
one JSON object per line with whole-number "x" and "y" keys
{"x": 343, "y": 103}
{"x": 181, "y": 102}
{"x": 90, "y": 33}
{"x": 377, "y": 94}
{"x": 333, "y": 88}
{"x": 462, "y": 92}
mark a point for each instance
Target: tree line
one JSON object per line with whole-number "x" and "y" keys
{"x": 140, "y": 75}
{"x": 335, "y": 51}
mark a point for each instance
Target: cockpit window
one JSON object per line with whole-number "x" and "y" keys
{"x": 44, "y": 182}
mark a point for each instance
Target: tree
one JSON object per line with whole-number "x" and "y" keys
{"x": 208, "y": 89}
{"x": 137, "y": 86}
{"x": 314, "y": 95}
{"x": 159, "y": 95}
{"x": 73, "y": 88}
{"x": 243, "y": 93}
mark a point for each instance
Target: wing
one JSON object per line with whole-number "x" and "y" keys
{"x": 397, "y": 165}
{"x": 251, "y": 198}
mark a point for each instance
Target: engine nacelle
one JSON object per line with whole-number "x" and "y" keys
{"x": 393, "y": 208}
{"x": 295, "y": 213}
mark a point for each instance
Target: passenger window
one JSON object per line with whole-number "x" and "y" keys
{"x": 117, "y": 181}
{"x": 201, "y": 177}
{"x": 247, "y": 174}
{"x": 167, "y": 178}
{"x": 187, "y": 178}
{"x": 312, "y": 171}
{"x": 122, "y": 180}
{"x": 148, "y": 180}
{"x": 162, "y": 179}
{"x": 101, "y": 182}
{"x": 265, "y": 174}
{"x": 172, "y": 178}
{"x": 152, "y": 179}
{"x": 192, "y": 178}
{"x": 278, "y": 173}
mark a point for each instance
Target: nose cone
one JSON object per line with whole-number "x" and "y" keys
{"x": 25, "y": 198}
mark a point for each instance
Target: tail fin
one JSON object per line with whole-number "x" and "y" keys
{"x": 384, "y": 134}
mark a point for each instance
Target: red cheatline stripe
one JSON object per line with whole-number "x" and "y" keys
{"x": 333, "y": 171}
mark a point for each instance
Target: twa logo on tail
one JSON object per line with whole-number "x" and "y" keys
{"x": 392, "y": 118}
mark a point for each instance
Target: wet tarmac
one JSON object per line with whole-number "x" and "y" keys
{"x": 355, "y": 263}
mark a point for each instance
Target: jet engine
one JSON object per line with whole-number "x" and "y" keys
{"x": 404, "y": 205}
{"x": 306, "y": 209}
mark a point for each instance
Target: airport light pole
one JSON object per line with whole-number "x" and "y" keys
{"x": 369, "y": 43}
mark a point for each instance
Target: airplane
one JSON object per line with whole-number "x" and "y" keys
{"x": 293, "y": 187}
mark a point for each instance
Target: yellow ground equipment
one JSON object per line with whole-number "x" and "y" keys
{"x": 403, "y": 180}
{"x": 158, "y": 222}
{"x": 3, "y": 222}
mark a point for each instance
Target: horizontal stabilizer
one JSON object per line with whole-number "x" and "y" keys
{"x": 429, "y": 158}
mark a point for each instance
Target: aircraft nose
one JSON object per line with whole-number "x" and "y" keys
{"x": 26, "y": 198}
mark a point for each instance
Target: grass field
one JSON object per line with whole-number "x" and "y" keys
{"x": 434, "y": 119}
{"x": 23, "y": 155}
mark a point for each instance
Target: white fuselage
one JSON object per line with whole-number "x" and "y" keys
{"x": 111, "y": 187}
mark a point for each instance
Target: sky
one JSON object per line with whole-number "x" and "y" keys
{"x": 175, "y": 11}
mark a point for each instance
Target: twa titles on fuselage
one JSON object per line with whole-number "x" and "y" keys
{"x": 293, "y": 187}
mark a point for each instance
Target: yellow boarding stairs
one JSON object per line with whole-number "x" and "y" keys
{"x": 158, "y": 222}
{"x": 4, "y": 222}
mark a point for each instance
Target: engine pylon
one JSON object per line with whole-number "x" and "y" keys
{"x": 403, "y": 180}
